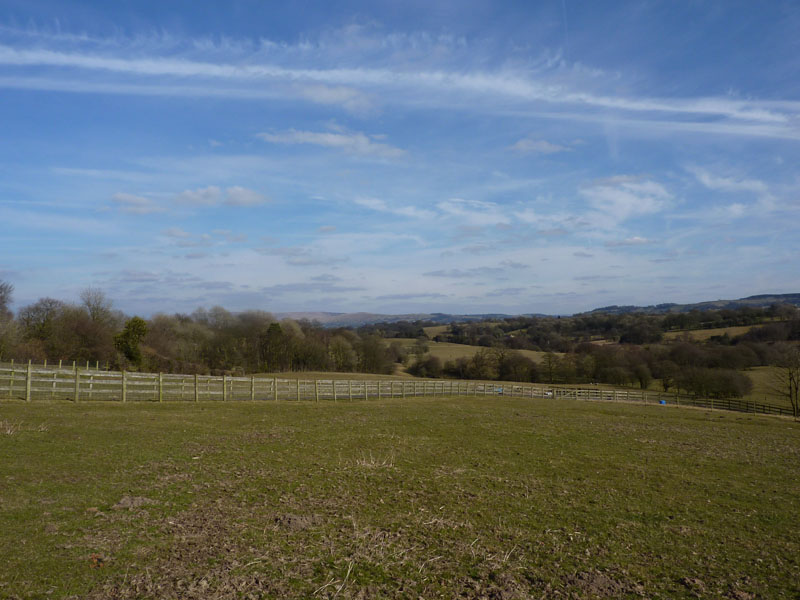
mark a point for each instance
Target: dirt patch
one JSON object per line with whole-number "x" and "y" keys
{"x": 293, "y": 522}
{"x": 694, "y": 585}
{"x": 129, "y": 502}
{"x": 203, "y": 561}
{"x": 596, "y": 584}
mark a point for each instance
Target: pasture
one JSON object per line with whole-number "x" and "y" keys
{"x": 467, "y": 497}
{"x": 446, "y": 351}
{"x": 701, "y": 335}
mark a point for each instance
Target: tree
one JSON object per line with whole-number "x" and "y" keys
{"x": 6, "y": 296}
{"x": 643, "y": 375}
{"x": 275, "y": 349}
{"x": 37, "y": 319}
{"x": 550, "y": 365}
{"x": 127, "y": 341}
{"x": 342, "y": 355}
{"x": 786, "y": 381}
{"x": 7, "y": 325}
{"x": 97, "y": 304}
{"x": 427, "y": 367}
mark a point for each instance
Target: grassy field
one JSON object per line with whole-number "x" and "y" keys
{"x": 307, "y": 375}
{"x": 464, "y": 498}
{"x": 701, "y": 335}
{"x": 449, "y": 351}
{"x": 763, "y": 379}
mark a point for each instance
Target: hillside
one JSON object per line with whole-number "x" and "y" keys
{"x": 359, "y": 319}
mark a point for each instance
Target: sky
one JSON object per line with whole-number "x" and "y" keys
{"x": 399, "y": 157}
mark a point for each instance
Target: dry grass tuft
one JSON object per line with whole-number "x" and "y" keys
{"x": 373, "y": 462}
{"x": 9, "y": 428}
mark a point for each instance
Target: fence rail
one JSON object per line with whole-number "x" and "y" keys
{"x": 40, "y": 382}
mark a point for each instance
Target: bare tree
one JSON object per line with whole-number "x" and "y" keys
{"x": 6, "y": 295}
{"x": 97, "y": 304}
{"x": 7, "y": 324}
{"x": 786, "y": 381}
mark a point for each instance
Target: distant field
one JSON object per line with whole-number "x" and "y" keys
{"x": 763, "y": 379}
{"x": 330, "y": 375}
{"x": 462, "y": 498}
{"x": 449, "y": 351}
{"x": 704, "y": 334}
{"x": 431, "y": 332}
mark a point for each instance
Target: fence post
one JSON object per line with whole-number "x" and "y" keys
{"x": 124, "y": 387}
{"x": 298, "y": 389}
{"x": 379, "y": 389}
{"x": 275, "y": 388}
{"x": 333, "y": 383}
{"x": 350, "y": 389}
{"x": 11, "y": 381}
{"x": 77, "y": 382}
{"x": 316, "y": 390}
{"x": 28, "y": 384}
{"x": 252, "y": 388}
{"x": 160, "y": 387}
{"x": 224, "y": 387}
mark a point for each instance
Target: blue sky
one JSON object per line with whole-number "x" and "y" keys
{"x": 467, "y": 157}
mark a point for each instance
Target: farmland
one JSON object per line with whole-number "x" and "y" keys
{"x": 472, "y": 498}
{"x": 449, "y": 351}
{"x": 701, "y": 335}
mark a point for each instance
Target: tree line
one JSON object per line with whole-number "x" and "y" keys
{"x": 205, "y": 341}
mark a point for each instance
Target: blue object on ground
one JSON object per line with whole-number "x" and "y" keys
{"x": 662, "y": 401}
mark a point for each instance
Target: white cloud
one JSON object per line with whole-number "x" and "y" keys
{"x": 349, "y": 98}
{"x": 208, "y": 196}
{"x": 624, "y": 197}
{"x": 729, "y": 184}
{"x": 473, "y": 212}
{"x": 226, "y": 61}
{"x": 403, "y": 211}
{"x": 135, "y": 205}
{"x": 213, "y": 196}
{"x": 530, "y": 145}
{"x": 631, "y": 241}
{"x": 351, "y": 142}
{"x": 239, "y": 196}
{"x": 177, "y": 232}
{"x": 353, "y": 66}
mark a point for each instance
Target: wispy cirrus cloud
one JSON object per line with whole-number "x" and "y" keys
{"x": 536, "y": 146}
{"x": 728, "y": 183}
{"x": 474, "y": 212}
{"x": 631, "y": 241}
{"x": 623, "y": 197}
{"x": 353, "y": 69}
{"x": 136, "y": 205}
{"x": 214, "y": 196}
{"x": 404, "y": 211}
{"x": 350, "y": 142}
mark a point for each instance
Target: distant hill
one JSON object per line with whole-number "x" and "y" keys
{"x": 331, "y": 319}
{"x": 758, "y": 301}
{"x": 335, "y": 319}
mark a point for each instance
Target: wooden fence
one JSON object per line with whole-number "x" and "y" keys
{"x": 42, "y": 382}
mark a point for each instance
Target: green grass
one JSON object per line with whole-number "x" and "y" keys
{"x": 450, "y": 351}
{"x": 701, "y": 335}
{"x": 764, "y": 387}
{"x": 468, "y": 498}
